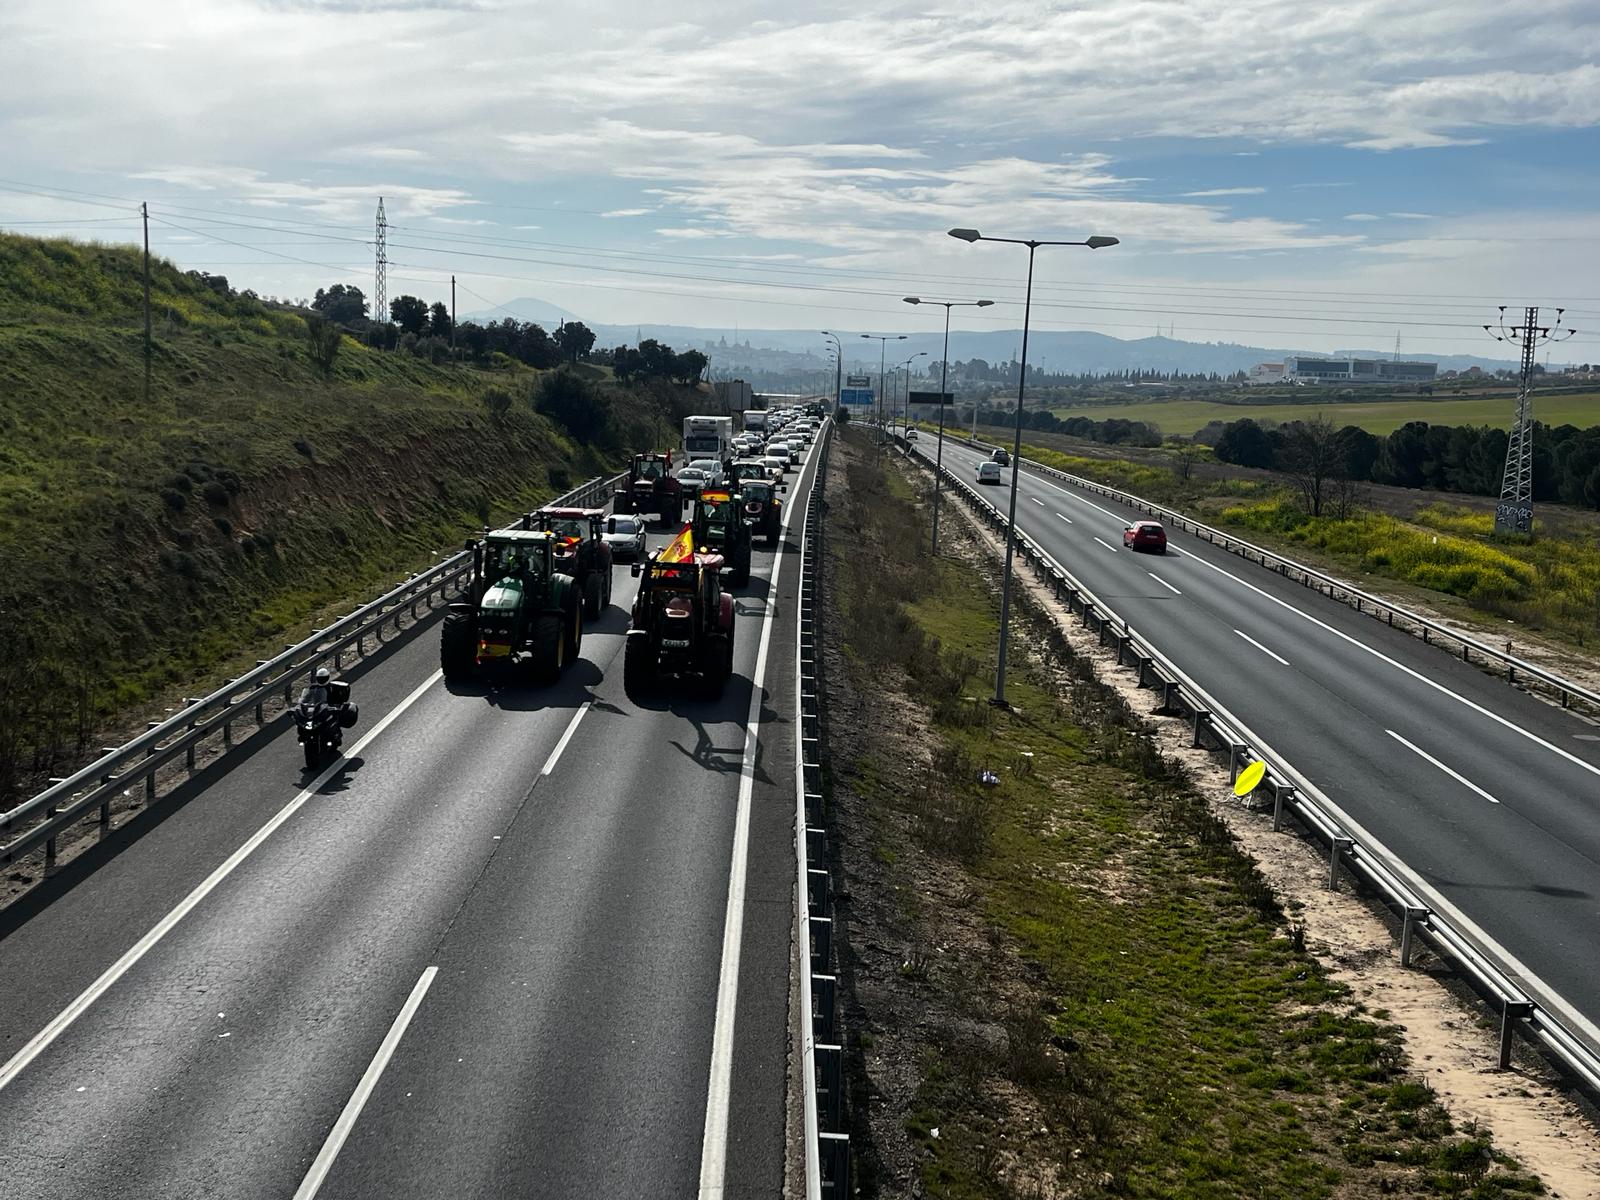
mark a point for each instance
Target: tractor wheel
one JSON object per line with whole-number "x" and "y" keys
{"x": 638, "y": 667}
{"x": 606, "y": 602}
{"x": 567, "y": 604}
{"x": 549, "y": 647}
{"x": 313, "y": 749}
{"x": 718, "y": 663}
{"x": 457, "y": 649}
{"x": 741, "y": 562}
{"x": 594, "y": 598}
{"x": 621, "y": 501}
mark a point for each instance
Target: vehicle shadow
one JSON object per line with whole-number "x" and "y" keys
{"x": 514, "y": 692}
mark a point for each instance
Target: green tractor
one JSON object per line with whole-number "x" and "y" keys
{"x": 762, "y": 508}
{"x": 719, "y": 527}
{"x": 682, "y": 626}
{"x": 521, "y": 612}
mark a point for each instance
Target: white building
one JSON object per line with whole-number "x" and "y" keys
{"x": 1349, "y": 369}
{"x": 1263, "y": 373}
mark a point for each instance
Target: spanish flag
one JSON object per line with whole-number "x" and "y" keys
{"x": 681, "y": 548}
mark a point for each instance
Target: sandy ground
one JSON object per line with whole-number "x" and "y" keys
{"x": 1452, "y": 1045}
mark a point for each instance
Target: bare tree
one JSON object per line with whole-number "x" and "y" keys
{"x": 1313, "y": 458}
{"x": 323, "y": 337}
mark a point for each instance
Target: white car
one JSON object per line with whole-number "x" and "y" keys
{"x": 988, "y": 472}
{"x": 710, "y": 470}
{"x": 780, "y": 451}
{"x": 911, "y": 435}
{"x": 625, "y": 536}
{"x": 775, "y": 466}
{"x": 691, "y": 479}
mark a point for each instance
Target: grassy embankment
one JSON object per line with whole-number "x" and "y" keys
{"x": 1136, "y": 1017}
{"x": 1381, "y": 417}
{"x": 146, "y": 546}
{"x": 1551, "y": 584}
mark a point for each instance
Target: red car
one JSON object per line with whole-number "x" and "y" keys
{"x": 1145, "y": 535}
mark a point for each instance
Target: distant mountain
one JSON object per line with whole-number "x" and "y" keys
{"x": 1066, "y": 351}
{"x": 525, "y": 308}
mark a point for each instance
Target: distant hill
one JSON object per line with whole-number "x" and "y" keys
{"x": 524, "y": 308}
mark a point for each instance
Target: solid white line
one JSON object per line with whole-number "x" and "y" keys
{"x": 572, "y": 725}
{"x": 64, "y": 1019}
{"x": 1107, "y": 545}
{"x": 358, "y": 1099}
{"x": 1456, "y": 775}
{"x": 1417, "y": 675}
{"x": 714, "y": 1142}
{"x": 1165, "y": 584}
{"x": 1120, "y": 520}
{"x": 1261, "y": 648}
{"x": 1065, "y": 518}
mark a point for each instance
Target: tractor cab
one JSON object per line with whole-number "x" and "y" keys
{"x": 719, "y": 525}
{"x": 682, "y": 623}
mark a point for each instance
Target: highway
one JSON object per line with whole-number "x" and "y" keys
{"x": 1491, "y": 795}
{"x": 481, "y": 955}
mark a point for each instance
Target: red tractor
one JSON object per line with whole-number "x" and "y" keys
{"x": 651, "y": 487}
{"x": 581, "y": 552}
{"x": 682, "y": 625}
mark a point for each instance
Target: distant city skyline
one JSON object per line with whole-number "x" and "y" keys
{"x": 1274, "y": 180}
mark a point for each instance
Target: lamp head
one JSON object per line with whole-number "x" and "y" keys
{"x": 966, "y": 235}
{"x": 1100, "y": 243}
{"x": 912, "y": 299}
{"x": 985, "y": 303}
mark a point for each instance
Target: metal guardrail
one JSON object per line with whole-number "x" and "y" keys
{"x": 137, "y": 763}
{"x": 827, "y": 1144}
{"x": 1517, "y": 670}
{"x": 1524, "y": 1001}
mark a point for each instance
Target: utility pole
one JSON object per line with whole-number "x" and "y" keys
{"x": 452, "y": 312}
{"x": 1514, "y": 513}
{"x": 149, "y": 347}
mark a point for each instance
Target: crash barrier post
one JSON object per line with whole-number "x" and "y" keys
{"x": 1524, "y": 1001}
{"x": 38, "y": 820}
{"x": 827, "y": 1145}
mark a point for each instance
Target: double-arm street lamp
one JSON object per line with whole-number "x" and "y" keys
{"x": 883, "y": 340}
{"x": 972, "y": 235}
{"x": 944, "y": 378}
{"x": 907, "y": 367}
{"x": 838, "y": 369}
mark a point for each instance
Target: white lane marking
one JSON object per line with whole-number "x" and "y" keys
{"x": 1165, "y": 584}
{"x": 63, "y": 1020}
{"x": 1261, "y": 648}
{"x": 572, "y": 725}
{"x": 1400, "y": 666}
{"x": 1456, "y": 775}
{"x": 1065, "y": 518}
{"x": 714, "y": 1142}
{"x": 1037, "y": 501}
{"x": 1106, "y": 544}
{"x": 358, "y": 1099}
{"x": 1120, "y": 520}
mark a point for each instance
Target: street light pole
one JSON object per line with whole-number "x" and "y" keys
{"x": 838, "y": 370}
{"x": 883, "y": 340}
{"x": 893, "y": 411}
{"x": 972, "y": 235}
{"x": 944, "y": 378}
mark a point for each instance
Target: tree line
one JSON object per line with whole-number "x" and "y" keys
{"x": 1448, "y": 458}
{"x": 1115, "y": 431}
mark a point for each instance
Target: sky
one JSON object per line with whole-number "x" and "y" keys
{"x": 1278, "y": 174}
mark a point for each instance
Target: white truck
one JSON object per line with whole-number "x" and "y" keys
{"x": 708, "y": 437}
{"x": 755, "y": 420}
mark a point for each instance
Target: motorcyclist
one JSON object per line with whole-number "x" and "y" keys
{"x": 317, "y": 691}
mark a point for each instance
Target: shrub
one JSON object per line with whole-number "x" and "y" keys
{"x": 575, "y": 404}
{"x": 498, "y": 402}
{"x": 224, "y": 526}
{"x": 174, "y": 499}
{"x": 215, "y": 492}
{"x": 180, "y": 482}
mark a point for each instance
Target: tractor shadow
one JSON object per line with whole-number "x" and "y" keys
{"x": 514, "y": 693}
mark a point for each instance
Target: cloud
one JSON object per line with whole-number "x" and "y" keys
{"x": 1361, "y": 217}
{"x": 1229, "y": 191}
{"x": 1412, "y": 216}
{"x": 628, "y": 212}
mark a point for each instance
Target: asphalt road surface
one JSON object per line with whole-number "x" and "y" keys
{"x": 1491, "y": 795}
{"x": 479, "y": 957}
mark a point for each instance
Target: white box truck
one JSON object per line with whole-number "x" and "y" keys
{"x": 755, "y": 420}
{"x": 708, "y": 437}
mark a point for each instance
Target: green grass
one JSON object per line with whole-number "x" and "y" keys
{"x": 1209, "y": 1055}
{"x": 146, "y": 544}
{"x": 1380, "y": 417}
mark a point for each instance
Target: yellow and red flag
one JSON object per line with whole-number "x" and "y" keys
{"x": 681, "y": 548}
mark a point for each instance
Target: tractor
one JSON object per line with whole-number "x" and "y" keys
{"x": 718, "y": 526}
{"x": 581, "y": 552}
{"x": 682, "y": 625}
{"x": 762, "y": 508}
{"x": 521, "y": 612}
{"x": 650, "y": 487}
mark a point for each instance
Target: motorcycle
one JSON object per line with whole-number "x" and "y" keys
{"x": 321, "y": 717}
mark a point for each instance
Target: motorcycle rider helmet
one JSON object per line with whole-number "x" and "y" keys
{"x": 323, "y": 676}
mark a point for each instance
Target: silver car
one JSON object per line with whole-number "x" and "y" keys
{"x": 625, "y": 536}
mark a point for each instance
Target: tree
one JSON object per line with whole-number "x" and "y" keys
{"x": 1359, "y": 450}
{"x": 341, "y": 303}
{"x": 568, "y": 399}
{"x": 1312, "y": 457}
{"x": 439, "y": 321}
{"x": 323, "y": 338}
{"x": 688, "y": 366}
{"x": 410, "y": 313}
{"x": 575, "y": 339}
{"x": 1245, "y": 443}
